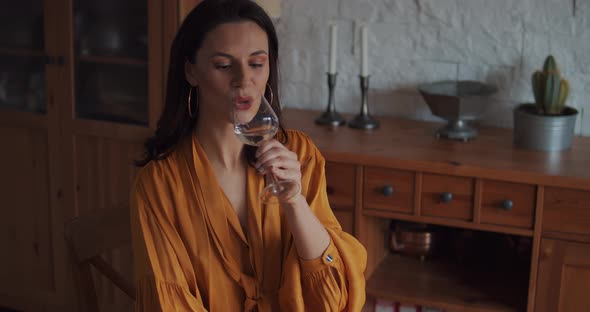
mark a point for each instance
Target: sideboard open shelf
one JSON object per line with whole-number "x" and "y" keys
{"x": 447, "y": 285}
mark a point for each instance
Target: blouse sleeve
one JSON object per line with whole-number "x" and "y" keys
{"x": 335, "y": 281}
{"x": 162, "y": 283}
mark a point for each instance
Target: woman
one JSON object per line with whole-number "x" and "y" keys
{"x": 202, "y": 239}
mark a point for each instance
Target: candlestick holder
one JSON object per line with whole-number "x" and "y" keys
{"x": 330, "y": 116}
{"x": 364, "y": 120}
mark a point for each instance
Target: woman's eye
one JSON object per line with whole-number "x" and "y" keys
{"x": 222, "y": 66}
{"x": 256, "y": 65}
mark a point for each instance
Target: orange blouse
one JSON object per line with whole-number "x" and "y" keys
{"x": 191, "y": 253}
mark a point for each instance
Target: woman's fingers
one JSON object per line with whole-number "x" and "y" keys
{"x": 272, "y": 157}
{"x": 286, "y": 173}
{"x": 271, "y": 149}
{"x": 273, "y": 154}
{"x": 283, "y": 164}
{"x": 267, "y": 145}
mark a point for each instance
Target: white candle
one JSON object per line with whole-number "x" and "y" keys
{"x": 364, "y": 52}
{"x": 333, "y": 45}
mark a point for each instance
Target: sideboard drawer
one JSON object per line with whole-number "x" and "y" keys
{"x": 566, "y": 210}
{"x": 389, "y": 189}
{"x": 447, "y": 196}
{"x": 506, "y": 203}
{"x": 340, "y": 182}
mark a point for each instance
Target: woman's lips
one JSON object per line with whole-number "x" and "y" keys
{"x": 243, "y": 102}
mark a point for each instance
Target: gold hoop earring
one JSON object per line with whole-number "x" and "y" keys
{"x": 271, "y": 95}
{"x": 190, "y": 93}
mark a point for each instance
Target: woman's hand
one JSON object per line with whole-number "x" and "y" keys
{"x": 274, "y": 158}
{"x": 309, "y": 234}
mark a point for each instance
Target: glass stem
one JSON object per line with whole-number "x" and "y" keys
{"x": 273, "y": 183}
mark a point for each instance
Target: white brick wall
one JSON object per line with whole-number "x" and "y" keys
{"x": 416, "y": 41}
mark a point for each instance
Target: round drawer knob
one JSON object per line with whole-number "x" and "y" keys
{"x": 446, "y": 197}
{"x": 507, "y": 204}
{"x": 387, "y": 190}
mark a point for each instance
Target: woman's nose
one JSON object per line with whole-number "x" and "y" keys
{"x": 242, "y": 76}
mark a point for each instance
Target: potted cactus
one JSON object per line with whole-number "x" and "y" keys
{"x": 548, "y": 124}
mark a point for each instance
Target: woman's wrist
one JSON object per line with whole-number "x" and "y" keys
{"x": 293, "y": 201}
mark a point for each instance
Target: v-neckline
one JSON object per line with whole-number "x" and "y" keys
{"x": 252, "y": 199}
{"x": 219, "y": 222}
{"x": 232, "y": 215}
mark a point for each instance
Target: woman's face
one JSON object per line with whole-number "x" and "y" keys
{"x": 231, "y": 69}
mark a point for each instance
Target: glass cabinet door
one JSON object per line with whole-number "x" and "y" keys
{"x": 111, "y": 65}
{"x": 22, "y": 56}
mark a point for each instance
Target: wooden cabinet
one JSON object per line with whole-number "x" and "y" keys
{"x": 566, "y": 211}
{"x": 27, "y": 267}
{"x": 564, "y": 260}
{"x": 564, "y": 277}
{"x": 30, "y": 276}
{"x": 346, "y": 220}
{"x": 81, "y": 87}
{"x": 522, "y": 198}
{"x": 340, "y": 186}
{"x": 340, "y": 183}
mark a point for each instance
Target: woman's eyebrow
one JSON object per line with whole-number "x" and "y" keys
{"x": 259, "y": 52}
{"x": 221, "y": 54}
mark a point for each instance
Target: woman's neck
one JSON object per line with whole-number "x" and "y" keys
{"x": 223, "y": 148}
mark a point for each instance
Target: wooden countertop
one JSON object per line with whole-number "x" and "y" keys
{"x": 411, "y": 145}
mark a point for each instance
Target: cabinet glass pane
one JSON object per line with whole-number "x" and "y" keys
{"x": 111, "y": 93}
{"x": 110, "y": 42}
{"x": 22, "y": 56}
{"x": 21, "y": 25}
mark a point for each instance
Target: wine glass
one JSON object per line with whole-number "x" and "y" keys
{"x": 254, "y": 122}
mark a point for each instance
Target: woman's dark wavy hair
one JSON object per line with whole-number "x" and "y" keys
{"x": 175, "y": 122}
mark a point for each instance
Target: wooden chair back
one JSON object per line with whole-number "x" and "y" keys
{"x": 87, "y": 238}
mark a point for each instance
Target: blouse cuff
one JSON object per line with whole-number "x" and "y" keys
{"x": 330, "y": 258}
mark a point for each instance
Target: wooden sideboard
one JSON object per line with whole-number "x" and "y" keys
{"x": 402, "y": 172}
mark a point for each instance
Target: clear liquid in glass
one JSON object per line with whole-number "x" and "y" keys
{"x": 254, "y": 135}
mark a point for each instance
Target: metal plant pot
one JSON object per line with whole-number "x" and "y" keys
{"x": 543, "y": 133}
